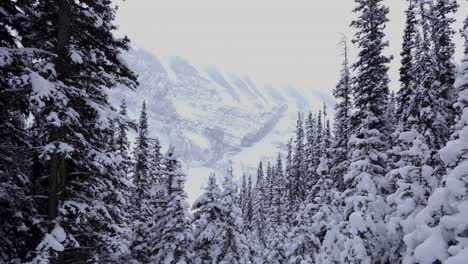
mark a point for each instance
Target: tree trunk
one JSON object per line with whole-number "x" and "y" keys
{"x": 56, "y": 181}
{"x": 55, "y": 190}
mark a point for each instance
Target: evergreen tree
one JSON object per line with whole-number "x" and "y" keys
{"x": 303, "y": 244}
{"x": 342, "y": 124}
{"x": 390, "y": 117}
{"x": 414, "y": 181}
{"x": 440, "y": 228}
{"x": 19, "y": 209}
{"x": 248, "y": 205}
{"x": 319, "y": 136}
{"x": 441, "y": 18}
{"x": 407, "y": 77}
{"x": 277, "y": 246}
{"x": 288, "y": 173}
{"x": 243, "y": 195}
{"x": 207, "y": 222}
{"x": 323, "y": 167}
{"x": 173, "y": 221}
{"x": 156, "y": 160}
{"x": 298, "y": 163}
{"x": 123, "y": 145}
{"x": 412, "y": 178}
{"x": 259, "y": 214}
{"x": 365, "y": 176}
{"x": 278, "y": 212}
{"x": 312, "y": 160}
{"x": 326, "y": 128}
{"x": 426, "y": 104}
{"x": 75, "y": 57}
{"x": 148, "y": 192}
{"x": 234, "y": 247}
{"x": 142, "y": 177}
{"x": 269, "y": 189}
{"x": 142, "y": 148}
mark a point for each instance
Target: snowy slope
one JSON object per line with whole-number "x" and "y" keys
{"x": 212, "y": 118}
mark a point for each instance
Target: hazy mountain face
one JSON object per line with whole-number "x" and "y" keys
{"x": 212, "y": 118}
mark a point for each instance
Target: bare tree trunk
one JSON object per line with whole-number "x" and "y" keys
{"x": 56, "y": 181}
{"x": 55, "y": 190}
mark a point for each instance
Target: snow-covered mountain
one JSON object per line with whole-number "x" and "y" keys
{"x": 212, "y": 118}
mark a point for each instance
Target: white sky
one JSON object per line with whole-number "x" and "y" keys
{"x": 273, "y": 41}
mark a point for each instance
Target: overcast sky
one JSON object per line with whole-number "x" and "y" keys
{"x": 273, "y": 41}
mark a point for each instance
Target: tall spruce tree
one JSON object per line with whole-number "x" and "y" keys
{"x": 365, "y": 177}
{"x": 412, "y": 178}
{"x": 148, "y": 193}
{"x": 442, "y": 33}
{"x": 243, "y": 194}
{"x": 76, "y": 56}
{"x": 278, "y": 212}
{"x": 259, "y": 220}
{"x": 303, "y": 245}
{"x": 208, "y": 214}
{"x": 233, "y": 245}
{"x": 288, "y": 173}
{"x": 342, "y": 124}
{"x": 123, "y": 145}
{"x": 173, "y": 221}
{"x": 407, "y": 77}
{"x": 428, "y": 105}
{"x": 298, "y": 163}
{"x": 248, "y": 205}
{"x": 311, "y": 149}
{"x": 19, "y": 209}
{"x": 440, "y": 233}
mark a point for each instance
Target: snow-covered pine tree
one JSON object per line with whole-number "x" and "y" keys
{"x": 277, "y": 246}
{"x": 411, "y": 179}
{"x": 311, "y": 149}
{"x": 319, "y": 136}
{"x": 278, "y": 213}
{"x": 302, "y": 244}
{"x": 248, "y": 214}
{"x": 323, "y": 168}
{"x": 77, "y": 57}
{"x": 365, "y": 203}
{"x": 233, "y": 245}
{"x": 289, "y": 179}
{"x": 141, "y": 152}
{"x": 414, "y": 182}
{"x": 123, "y": 145}
{"x": 319, "y": 214}
{"x": 425, "y": 103}
{"x": 259, "y": 221}
{"x": 327, "y": 136}
{"x": 435, "y": 107}
{"x": 269, "y": 189}
{"x": 155, "y": 160}
{"x": 243, "y": 194}
{"x": 442, "y": 33}
{"x": 327, "y": 221}
{"x": 440, "y": 234}
{"x": 407, "y": 53}
{"x": 298, "y": 163}
{"x": 390, "y": 118}
{"x": 173, "y": 222}
{"x": 208, "y": 215}
{"x": 342, "y": 123}
{"x": 147, "y": 183}
{"x": 19, "y": 222}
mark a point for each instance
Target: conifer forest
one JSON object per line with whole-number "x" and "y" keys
{"x": 378, "y": 177}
